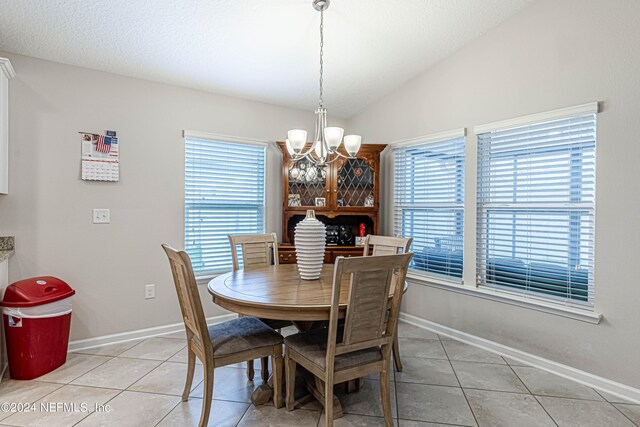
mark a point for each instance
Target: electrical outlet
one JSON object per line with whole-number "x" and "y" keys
{"x": 101, "y": 216}
{"x": 149, "y": 291}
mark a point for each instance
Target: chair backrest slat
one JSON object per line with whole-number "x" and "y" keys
{"x": 258, "y": 250}
{"x": 189, "y": 299}
{"x": 386, "y": 245}
{"x": 371, "y": 280}
{"x": 367, "y": 306}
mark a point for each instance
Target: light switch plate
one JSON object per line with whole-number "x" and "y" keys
{"x": 101, "y": 216}
{"x": 149, "y": 291}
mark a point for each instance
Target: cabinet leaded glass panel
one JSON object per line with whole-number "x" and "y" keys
{"x": 307, "y": 183}
{"x": 355, "y": 184}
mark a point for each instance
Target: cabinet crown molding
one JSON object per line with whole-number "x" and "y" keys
{"x": 7, "y": 68}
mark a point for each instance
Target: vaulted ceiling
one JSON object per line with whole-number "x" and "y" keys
{"x": 254, "y": 49}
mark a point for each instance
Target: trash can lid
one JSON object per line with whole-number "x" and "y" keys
{"x": 36, "y": 291}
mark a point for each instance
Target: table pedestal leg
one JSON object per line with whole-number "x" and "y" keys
{"x": 262, "y": 393}
{"x": 316, "y": 387}
{"x": 354, "y": 385}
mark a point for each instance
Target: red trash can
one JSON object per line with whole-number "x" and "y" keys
{"x": 37, "y": 316}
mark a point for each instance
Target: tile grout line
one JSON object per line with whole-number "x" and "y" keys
{"x": 34, "y": 401}
{"x": 106, "y": 361}
{"x": 128, "y": 388}
{"x": 105, "y": 403}
{"x": 95, "y": 367}
{"x": 466, "y": 399}
{"x": 129, "y": 358}
{"x": 244, "y": 414}
{"x": 529, "y": 390}
{"x": 170, "y": 411}
{"x": 82, "y": 351}
{"x": 429, "y": 422}
{"x": 617, "y": 409}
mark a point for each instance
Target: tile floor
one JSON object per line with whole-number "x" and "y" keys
{"x": 444, "y": 383}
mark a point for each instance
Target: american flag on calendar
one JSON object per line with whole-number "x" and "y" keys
{"x": 104, "y": 144}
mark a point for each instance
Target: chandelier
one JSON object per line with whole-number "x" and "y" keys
{"x": 326, "y": 144}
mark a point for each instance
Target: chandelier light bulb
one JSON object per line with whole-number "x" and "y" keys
{"x": 333, "y": 136}
{"x": 297, "y": 139}
{"x": 320, "y": 150}
{"x": 352, "y": 144}
{"x": 289, "y": 148}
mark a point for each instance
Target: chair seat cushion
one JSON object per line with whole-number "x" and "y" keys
{"x": 313, "y": 346}
{"x": 241, "y": 334}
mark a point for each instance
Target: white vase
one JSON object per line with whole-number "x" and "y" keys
{"x": 310, "y": 238}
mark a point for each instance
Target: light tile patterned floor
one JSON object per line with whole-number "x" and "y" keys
{"x": 444, "y": 383}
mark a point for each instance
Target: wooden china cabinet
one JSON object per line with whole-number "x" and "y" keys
{"x": 344, "y": 194}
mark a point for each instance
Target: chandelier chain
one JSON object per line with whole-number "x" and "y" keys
{"x": 324, "y": 149}
{"x": 320, "y": 101}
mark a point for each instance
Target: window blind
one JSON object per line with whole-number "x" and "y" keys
{"x": 224, "y": 194}
{"x": 429, "y": 204}
{"x": 536, "y": 206}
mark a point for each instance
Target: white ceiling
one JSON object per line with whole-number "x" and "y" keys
{"x": 255, "y": 49}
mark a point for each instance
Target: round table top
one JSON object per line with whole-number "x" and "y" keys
{"x": 277, "y": 292}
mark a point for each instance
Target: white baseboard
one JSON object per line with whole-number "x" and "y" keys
{"x": 139, "y": 334}
{"x": 617, "y": 389}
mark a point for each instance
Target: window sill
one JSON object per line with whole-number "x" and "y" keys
{"x": 556, "y": 309}
{"x": 204, "y": 280}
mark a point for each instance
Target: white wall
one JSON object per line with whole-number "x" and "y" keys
{"x": 552, "y": 54}
{"x": 48, "y": 208}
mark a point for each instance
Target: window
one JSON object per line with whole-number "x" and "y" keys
{"x": 429, "y": 203}
{"x": 224, "y": 194}
{"x": 536, "y": 206}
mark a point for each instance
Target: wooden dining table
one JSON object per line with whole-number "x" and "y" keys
{"x": 277, "y": 292}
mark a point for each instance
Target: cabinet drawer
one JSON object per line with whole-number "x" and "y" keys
{"x": 287, "y": 257}
{"x": 346, "y": 254}
{"x": 290, "y": 257}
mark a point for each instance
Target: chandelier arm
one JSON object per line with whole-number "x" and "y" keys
{"x": 338, "y": 156}
{"x": 303, "y": 155}
{"x": 313, "y": 159}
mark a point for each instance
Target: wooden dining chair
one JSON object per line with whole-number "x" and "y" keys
{"x": 258, "y": 250}
{"x": 238, "y": 340}
{"x": 363, "y": 346}
{"x": 386, "y": 245}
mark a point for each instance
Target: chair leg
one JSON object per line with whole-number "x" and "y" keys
{"x": 384, "y": 393}
{"x": 264, "y": 366}
{"x": 191, "y": 366}
{"x": 396, "y": 353}
{"x": 290, "y": 371}
{"x": 276, "y": 362}
{"x": 328, "y": 403}
{"x": 250, "y": 372}
{"x": 208, "y": 395}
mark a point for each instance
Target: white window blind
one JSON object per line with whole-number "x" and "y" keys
{"x": 224, "y": 194}
{"x": 536, "y": 206}
{"x": 429, "y": 204}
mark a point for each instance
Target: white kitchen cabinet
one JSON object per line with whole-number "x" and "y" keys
{"x": 6, "y": 73}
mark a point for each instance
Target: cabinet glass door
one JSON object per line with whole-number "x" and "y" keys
{"x": 307, "y": 185}
{"x": 355, "y": 185}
